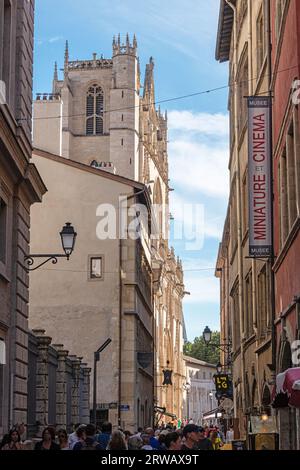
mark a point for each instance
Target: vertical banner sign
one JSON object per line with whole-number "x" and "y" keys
{"x": 260, "y": 191}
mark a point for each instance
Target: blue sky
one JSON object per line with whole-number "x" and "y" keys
{"x": 181, "y": 37}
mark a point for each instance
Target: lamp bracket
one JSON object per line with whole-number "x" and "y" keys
{"x": 30, "y": 260}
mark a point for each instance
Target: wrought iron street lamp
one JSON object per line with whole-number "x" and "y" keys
{"x": 224, "y": 347}
{"x": 207, "y": 333}
{"x": 207, "y": 336}
{"x": 68, "y": 238}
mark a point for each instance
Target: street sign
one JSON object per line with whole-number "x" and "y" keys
{"x": 223, "y": 385}
{"x": 113, "y": 406}
{"x": 124, "y": 407}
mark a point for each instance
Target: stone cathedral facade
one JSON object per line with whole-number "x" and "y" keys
{"x": 100, "y": 119}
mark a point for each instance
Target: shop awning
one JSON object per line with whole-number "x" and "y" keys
{"x": 287, "y": 391}
{"x": 212, "y": 414}
{"x": 163, "y": 412}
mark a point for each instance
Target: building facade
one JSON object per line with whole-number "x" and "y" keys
{"x": 199, "y": 394}
{"x": 260, "y": 40}
{"x": 97, "y": 118}
{"x": 104, "y": 291}
{"x": 245, "y": 283}
{"x": 20, "y": 187}
{"x": 285, "y": 22}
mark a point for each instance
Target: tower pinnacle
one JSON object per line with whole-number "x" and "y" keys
{"x": 66, "y": 57}
{"x": 55, "y": 75}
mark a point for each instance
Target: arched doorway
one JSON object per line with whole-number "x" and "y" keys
{"x": 254, "y": 396}
{"x": 287, "y": 415}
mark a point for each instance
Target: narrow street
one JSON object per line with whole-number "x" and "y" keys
{"x": 150, "y": 228}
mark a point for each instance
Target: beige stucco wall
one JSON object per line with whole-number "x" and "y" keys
{"x": 79, "y": 312}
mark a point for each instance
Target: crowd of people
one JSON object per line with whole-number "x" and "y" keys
{"x": 87, "y": 437}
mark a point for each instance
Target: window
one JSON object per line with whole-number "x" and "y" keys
{"x": 263, "y": 301}
{"x": 235, "y": 313}
{"x": 242, "y": 10}
{"x": 245, "y": 203}
{"x": 291, "y": 176}
{"x": 94, "y": 110}
{"x": 3, "y": 224}
{"x": 96, "y": 267}
{"x": 248, "y": 320}
{"x": 287, "y": 189}
{"x": 280, "y": 4}
{"x": 2, "y": 363}
{"x": 260, "y": 41}
{"x": 233, "y": 220}
{"x": 232, "y": 113}
{"x": 243, "y": 91}
{"x": 5, "y": 41}
{"x": 204, "y": 376}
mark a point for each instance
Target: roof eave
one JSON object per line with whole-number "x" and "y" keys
{"x": 225, "y": 26}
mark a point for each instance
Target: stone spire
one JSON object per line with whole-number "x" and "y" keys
{"x": 149, "y": 81}
{"x": 134, "y": 42}
{"x": 66, "y": 57}
{"x": 55, "y": 76}
{"x": 55, "y": 79}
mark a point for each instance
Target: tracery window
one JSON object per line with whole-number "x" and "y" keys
{"x": 94, "y": 110}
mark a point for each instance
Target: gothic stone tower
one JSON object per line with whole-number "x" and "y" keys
{"x": 94, "y": 111}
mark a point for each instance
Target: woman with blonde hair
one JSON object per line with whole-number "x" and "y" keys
{"x": 117, "y": 441}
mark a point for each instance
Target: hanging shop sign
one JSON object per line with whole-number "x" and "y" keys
{"x": 259, "y": 177}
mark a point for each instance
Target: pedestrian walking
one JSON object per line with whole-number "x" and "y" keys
{"x": 173, "y": 441}
{"x": 48, "y": 440}
{"x": 73, "y": 437}
{"x": 191, "y": 437}
{"x": 13, "y": 441}
{"x": 215, "y": 440}
{"x": 104, "y": 438}
{"x": 117, "y": 441}
{"x": 203, "y": 443}
{"x": 63, "y": 439}
{"x": 230, "y": 435}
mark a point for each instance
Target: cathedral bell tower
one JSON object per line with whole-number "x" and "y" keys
{"x": 124, "y": 108}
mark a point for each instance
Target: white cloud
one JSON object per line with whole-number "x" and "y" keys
{"x": 201, "y": 123}
{"x": 198, "y": 166}
{"x": 210, "y": 226}
{"x": 198, "y": 152}
{"x": 202, "y": 289}
{"x": 55, "y": 39}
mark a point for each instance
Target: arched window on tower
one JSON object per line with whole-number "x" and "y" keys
{"x": 94, "y": 110}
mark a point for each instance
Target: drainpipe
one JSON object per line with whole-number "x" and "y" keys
{"x": 239, "y": 209}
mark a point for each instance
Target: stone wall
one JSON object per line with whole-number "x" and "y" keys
{"x": 58, "y": 386}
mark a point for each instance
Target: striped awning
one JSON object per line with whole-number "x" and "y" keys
{"x": 287, "y": 390}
